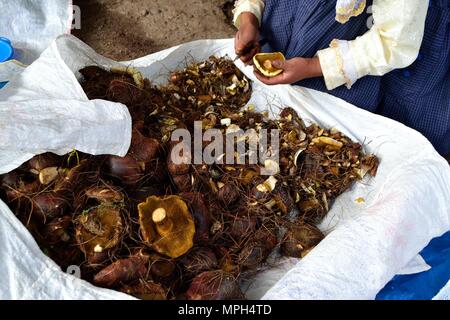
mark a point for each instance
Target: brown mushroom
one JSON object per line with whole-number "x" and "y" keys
{"x": 214, "y": 285}
{"x": 99, "y": 230}
{"x": 104, "y": 194}
{"x": 122, "y": 271}
{"x": 58, "y": 230}
{"x": 300, "y": 240}
{"x": 70, "y": 179}
{"x": 42, "y": 161}
{"x": 200, "y": 213}
{"x": 161, "y": 267}
{"x": 146, "y": 290}
{"x": 199, "y": 260}
{"x": 48, "y": 205}
{"x": 127, "y": 169}
{"x": 257, "y": 248}
{"x": 167, "y": 225}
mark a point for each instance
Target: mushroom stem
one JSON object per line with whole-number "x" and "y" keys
{"x": 163, "y": 223}
{"x": 268, "y": 65}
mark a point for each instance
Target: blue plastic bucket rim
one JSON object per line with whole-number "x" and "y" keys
{"x": 5, "y": 40}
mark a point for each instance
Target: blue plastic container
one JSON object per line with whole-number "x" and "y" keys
{"x": 6, "y": 50}
{"x": 6, "y": 53}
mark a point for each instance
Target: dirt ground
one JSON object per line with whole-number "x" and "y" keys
{"x": 128, "y": 29}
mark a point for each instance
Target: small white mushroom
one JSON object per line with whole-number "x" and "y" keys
{"x": 225, "y": 122}
{"x": 328, "y": 141}
{"x": 272, "y": 167}
{"x": 268, "y": 185}
{"x": 48, "y": 175}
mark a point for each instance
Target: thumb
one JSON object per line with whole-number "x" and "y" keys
{"x": 279, "y": 64}
{"x": 238, "y": 45}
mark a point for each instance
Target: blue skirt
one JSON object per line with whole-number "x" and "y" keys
{"x": 418, "y": 96}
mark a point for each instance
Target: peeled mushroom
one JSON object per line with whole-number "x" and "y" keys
{"x": 264, "y": 63}
{"x": 167, "y": 225}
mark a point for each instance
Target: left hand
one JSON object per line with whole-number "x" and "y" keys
{"x": 295, "y": 69}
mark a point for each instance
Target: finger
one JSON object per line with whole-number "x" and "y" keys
{"x": 279, "y": 64}
{"x": 247, "y": 49}
{"x": 239, "y": 45}
{"x": 248, "y": 58}
{"x": 280, "y": 79}
{"x": 266, "y": 80}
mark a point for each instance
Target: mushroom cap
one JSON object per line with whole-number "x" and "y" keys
{"x": 300, "y": 239}
{"x": 178, "y": 239}
{"x": 99, "y": 229}
{"x": 147, "y": 290}
{"x": 263, "y": 63}
{"x": 104, "y": 194}
{"x": 214, "y": 285}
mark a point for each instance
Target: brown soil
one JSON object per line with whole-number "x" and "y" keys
{"x": 128, "y": 29}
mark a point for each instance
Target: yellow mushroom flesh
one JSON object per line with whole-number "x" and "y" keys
{"x": 167, "y": 225}
{"x": 263, "y": 62}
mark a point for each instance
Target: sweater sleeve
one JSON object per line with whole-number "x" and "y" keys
{"x": 393, "y": 42}
{"x": 253, "y": 6}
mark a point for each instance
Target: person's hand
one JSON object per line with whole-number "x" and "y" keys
{"x": 295, "y": 69}
{"x": 246, "y": 42}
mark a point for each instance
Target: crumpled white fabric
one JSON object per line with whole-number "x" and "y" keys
{"x": 405, "y": 206}
{"x": 9, "y": 69}
{"x": 45, "y": 109}
{"x": 32, "y": 25}
{"x": 444, "y": 294}
{"x": 416, "y": 265}
{"x": 32, "y": 127}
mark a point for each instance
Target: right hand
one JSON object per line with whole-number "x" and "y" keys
{"x": 247, "y": 37}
